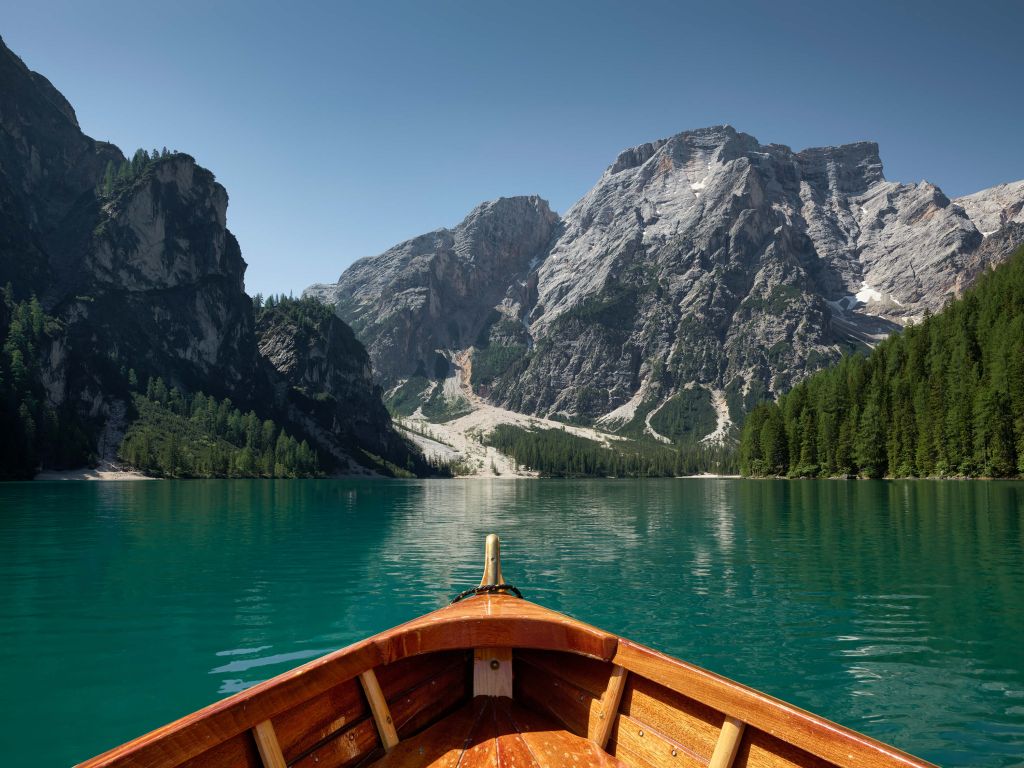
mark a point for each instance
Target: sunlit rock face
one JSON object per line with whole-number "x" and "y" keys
{"x": 162, "y": 256}
{"x": 706, "y": 260}
{"x": 439, "y": 291}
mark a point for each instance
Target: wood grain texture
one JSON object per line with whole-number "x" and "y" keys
{"x": 302, "y": 727}
{"x": 345, "y": 748}
{"x": 827, "y": 740}
{"x": 512, "y": 749}
{"x": 639, "y": 745}
{"x": 430, "y": 700}
{"x": 495, "y": 732}
{"x": 551, "y": 746}
{"x": 441, "y": 745}
{"x": 683, "y": 720}
{"x": 728, "y": 743}
{"x": 759, "y": 750}
{"x": 492, "y": 672}
{"x": 237, "y": 752}
{"x": 379, "y": 709}
{"x": 481, "y": 750}
{"x": 586, "y": 673}
{"x": 568, "y": 705}
{"x": 409, "y": 673}
{"x": 266, "y": 744}
{"x": 609, "y": 707}
{"x": 494, "y": 621}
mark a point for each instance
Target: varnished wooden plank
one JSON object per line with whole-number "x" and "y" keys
{"x": 492, "y": 672}
{"x": 573, "y": 707}
{"x": 417, "y": 708}
{"x": 609, "y": 707}
{"x": 640, "y": 745}
{"x": 379, "y": 708}
{"x": 553, "y": 747}
{"x": 237, "y": 752}
{"x": 302, "y": 727}
{"x": 728, "y": 743}
{"x": 266, "y": 743}
{"x": 511, "y": 749}
{"x": 497, "y": 621}
{"x": 345, "y": 748}
{"x": 827, "y": 740}
{"x": 440, "y": 745}
{"x": 589, "y": 674}
{"x": 482, "y": 745}
{"x": 682, "y": 719}
{"x": 759, "y": 750}
{"x": 407, "y": 674}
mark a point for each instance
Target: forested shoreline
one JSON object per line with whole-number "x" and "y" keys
{"x": 558, "y": 453}
{"x": 34, "y": 430}
{"x": 944, "y": 398}
{"x": 178, "y": 435}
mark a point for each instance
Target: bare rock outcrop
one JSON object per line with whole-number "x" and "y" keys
{"x": 703, "y": 261}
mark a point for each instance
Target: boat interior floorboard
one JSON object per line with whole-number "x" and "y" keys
{"x": 495, "y": 731}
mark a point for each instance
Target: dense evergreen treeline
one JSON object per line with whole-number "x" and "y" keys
{"x": 32, "y": 431}
{"x": 943, "y": 398}
{"x": 116, "y": 178}
{"x": 180, "y": 435}
{"x": 557, "y": 453}
{"x": 308, "y": 313}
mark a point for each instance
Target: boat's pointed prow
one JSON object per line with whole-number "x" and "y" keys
{"x": 505, "y": 682}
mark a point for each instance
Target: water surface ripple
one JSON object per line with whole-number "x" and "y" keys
{"x": 896, "y": 608}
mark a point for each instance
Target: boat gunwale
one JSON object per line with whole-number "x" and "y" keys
{"x": 780, "y": 719}
{"x": 489, "y": 621}
{"x": 448, "y": 628}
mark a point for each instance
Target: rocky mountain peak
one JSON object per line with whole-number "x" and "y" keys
{"x": 701, "y": 273}
{"x": 849, "y": 169}
{"x": 436, "y": 293}
{"x": 721, "y": 141}
{"x": 14, "y": 70}
{"x": 995, "y": 208}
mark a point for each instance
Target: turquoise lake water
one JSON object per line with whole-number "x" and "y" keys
{"x": 896, "y": 608}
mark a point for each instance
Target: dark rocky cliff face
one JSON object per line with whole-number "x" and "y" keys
{"x": 48, "y": 173}
{"x": 148, "y": 277}
{"x": 706, "y": 261}
{"x": 323, "y": 379}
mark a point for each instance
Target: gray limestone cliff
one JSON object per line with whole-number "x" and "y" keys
{"x": 437, "y": 292}
{"x": 705, "y": 270}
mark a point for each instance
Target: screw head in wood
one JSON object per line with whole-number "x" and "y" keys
{"x": 495, "y": 663}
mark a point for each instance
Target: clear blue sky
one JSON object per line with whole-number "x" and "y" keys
{"x": 340, "y": 129}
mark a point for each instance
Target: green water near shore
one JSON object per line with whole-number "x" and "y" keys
{"x": 896, "y": 608}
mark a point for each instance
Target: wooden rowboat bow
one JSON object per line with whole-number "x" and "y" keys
{"x": 496, "y": 680}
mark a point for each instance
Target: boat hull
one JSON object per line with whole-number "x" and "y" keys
{"x": 633, "y": 704}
